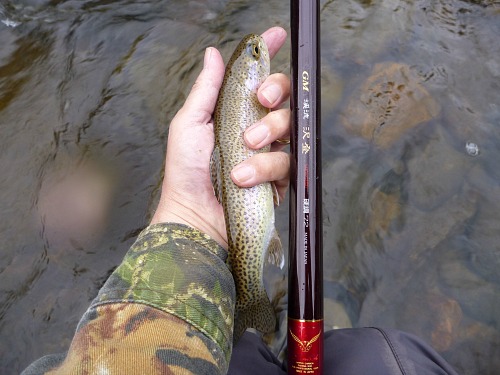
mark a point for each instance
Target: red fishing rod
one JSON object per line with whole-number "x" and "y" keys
{"x": 305, "y": 273}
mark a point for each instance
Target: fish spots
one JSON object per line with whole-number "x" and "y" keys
{"x": 248, "y": 212}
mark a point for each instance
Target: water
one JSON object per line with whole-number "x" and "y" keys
{"x": 87, "y": 90}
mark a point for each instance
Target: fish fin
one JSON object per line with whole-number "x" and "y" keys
{"x": 275, "y": 254}
{"x": 276, "y": 196}
{"x": 215, "y": 174}
{"x": 260, "y": 315}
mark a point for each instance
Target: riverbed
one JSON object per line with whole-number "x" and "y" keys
{"x": 410, "y": 140}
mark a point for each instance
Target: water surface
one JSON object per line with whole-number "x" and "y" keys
{"x": 411, "y": 140}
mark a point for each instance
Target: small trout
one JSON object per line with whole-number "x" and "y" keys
{"x": 249, "y": 212}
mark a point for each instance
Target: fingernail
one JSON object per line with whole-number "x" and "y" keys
{"x": 243, "y": 173}
{"x": 256, "y": 134}
{"x": 208, "y": 56}
{"x": 271, "y": 93}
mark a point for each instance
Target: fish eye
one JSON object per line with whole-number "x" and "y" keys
{"x": 254, "y": 49}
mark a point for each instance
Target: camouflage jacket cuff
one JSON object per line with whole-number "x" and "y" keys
{"x": 181, "y": 271}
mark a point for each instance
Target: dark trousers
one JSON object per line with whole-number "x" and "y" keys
{"x": 354, "y": 351}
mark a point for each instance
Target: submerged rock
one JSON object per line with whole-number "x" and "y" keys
{"x": 483, "y": 240}
{"x": 437, "y": 173}
{"x": 445, "y": 326}
{"x": 389, "y": 104}
{"x": 424, "y": 231}
{"x": 385, "y": 209}
{"x": 400, "y": 278}
{"x": 443, "y": 329}
{"x": 335, "y": 315}
{"x": 477, "y": 351}
{"x": 478, "y": 296}
{"x": 363, "y": 31}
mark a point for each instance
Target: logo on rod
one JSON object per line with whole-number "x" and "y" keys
{"x": 305, "y": 345}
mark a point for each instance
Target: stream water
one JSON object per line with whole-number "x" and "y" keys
{"x": 410, "y": 135}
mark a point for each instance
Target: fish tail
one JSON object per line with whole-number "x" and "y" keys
{"x": 260, "y": 316}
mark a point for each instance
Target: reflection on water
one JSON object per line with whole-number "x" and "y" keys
{"x": 411, "y": 93}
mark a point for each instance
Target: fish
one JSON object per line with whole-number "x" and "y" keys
{"x": 248, "y": 212}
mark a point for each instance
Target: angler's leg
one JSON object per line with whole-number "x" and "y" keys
{"x": 251, "y": 356}
{"x": 374, "y": 351}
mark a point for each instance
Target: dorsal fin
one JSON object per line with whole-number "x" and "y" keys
{"x": 215, "y": 174}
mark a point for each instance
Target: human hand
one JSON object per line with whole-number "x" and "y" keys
{"x": 187, "y": 194}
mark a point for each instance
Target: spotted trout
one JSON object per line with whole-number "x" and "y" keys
{"x": 249, "y": 212}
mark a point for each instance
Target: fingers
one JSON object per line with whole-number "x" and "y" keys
{"x": 200, "y": 103}
{"x": 274, "y": 91}
{"x": 275, "y": 125}
{"x": 275, "y": 38}
{"x": 268, "y": 166}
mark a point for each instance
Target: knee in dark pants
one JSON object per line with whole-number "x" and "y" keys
{"x": 375, "y": 351}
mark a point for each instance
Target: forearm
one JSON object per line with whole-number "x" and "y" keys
{"x": 169, "y": 305}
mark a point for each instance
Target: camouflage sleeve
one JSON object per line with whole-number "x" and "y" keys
{"x": 168, "y": 308}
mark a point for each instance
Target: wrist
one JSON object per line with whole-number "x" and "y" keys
{"x": 173, "y": 212}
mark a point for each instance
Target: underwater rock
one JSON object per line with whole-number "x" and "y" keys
{"x": 483, "y": 240}
{"x": 413, "y": 251}
{"x": 416, "y": 306}
{"x": 478, "y": 297}
{"x": 336, "y": 315}
{"x": 332, "y": 86}
{"x": 446, "y": 323}
{"x": 344, "y": 215}
{"x": 365, "y": 30}
{"x": 389, "y": 104}
{"x": 436, "y": 174}
{"x": 440, "y": 325}
{"x": 384, "y": 209}
{"x": 477, "y": 350}
{"x": 426, "y": 230}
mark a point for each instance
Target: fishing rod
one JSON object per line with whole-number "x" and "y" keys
{"x": 305, "y": 273}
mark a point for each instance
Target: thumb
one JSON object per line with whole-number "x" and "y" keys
{"x": 200, "y": 103}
